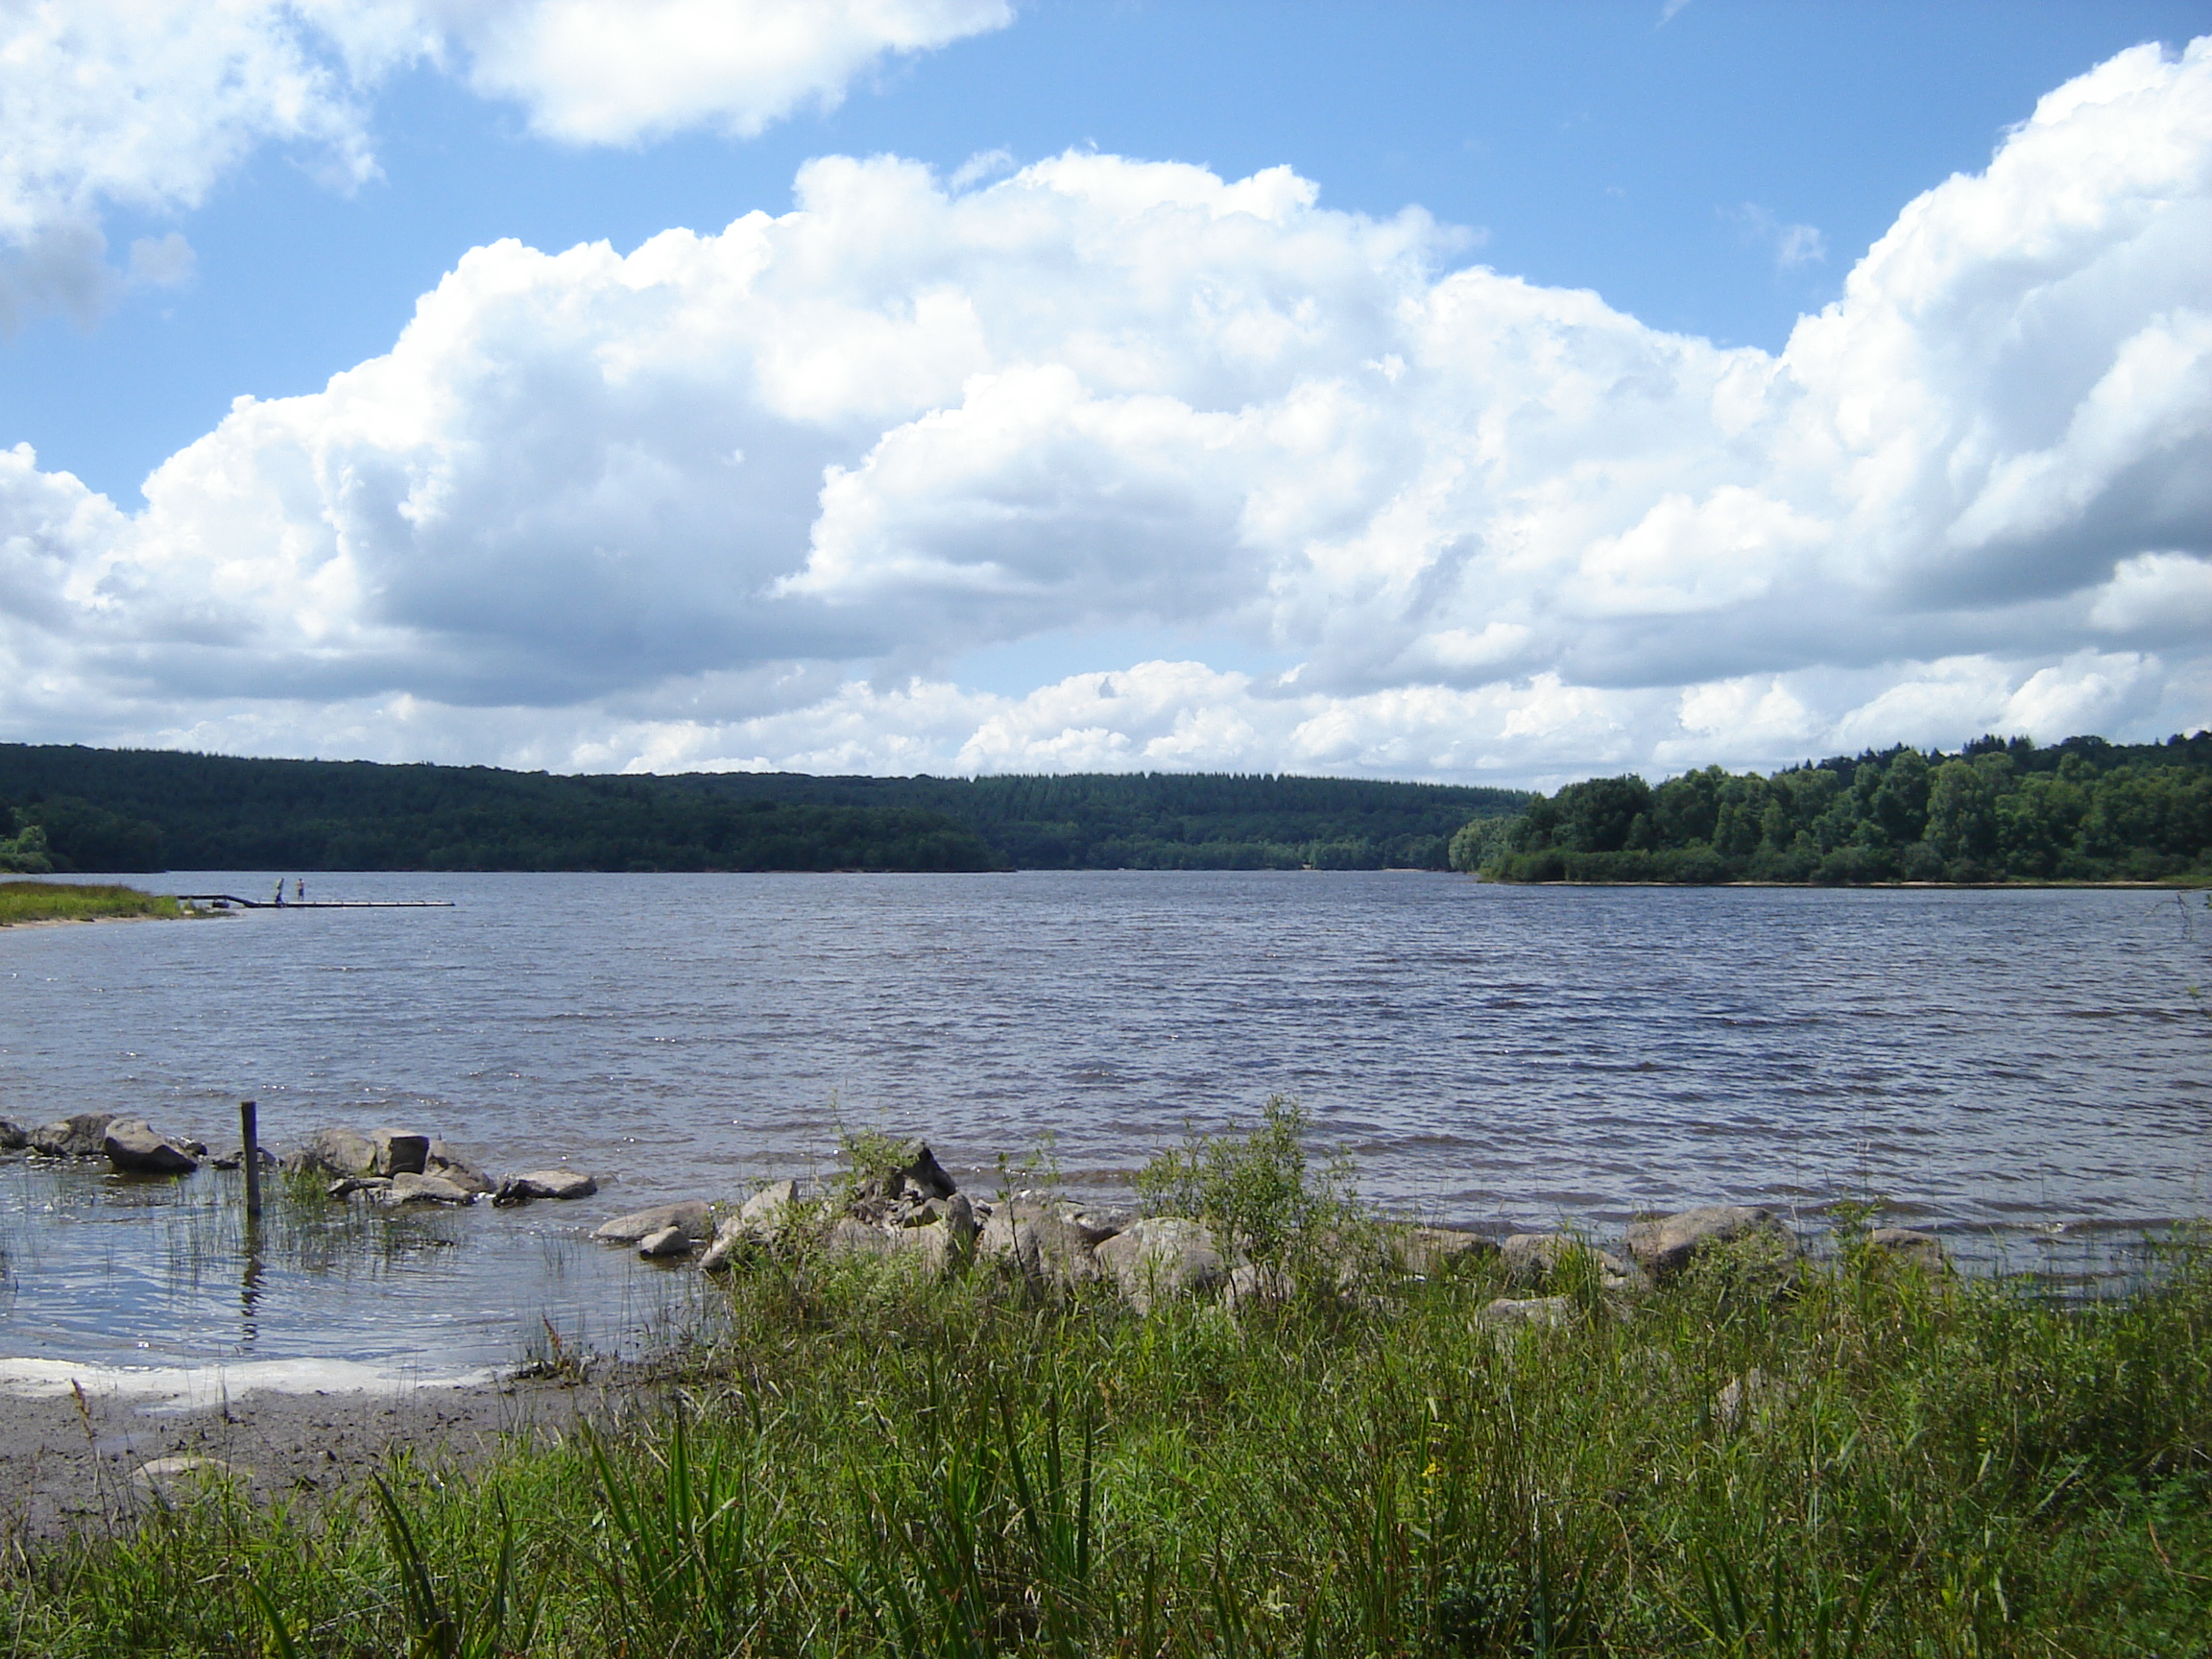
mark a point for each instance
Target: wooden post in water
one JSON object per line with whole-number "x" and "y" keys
{"x": 249, "y": 1138}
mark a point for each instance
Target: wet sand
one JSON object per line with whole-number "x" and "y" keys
{"x": 66, "y": 1465}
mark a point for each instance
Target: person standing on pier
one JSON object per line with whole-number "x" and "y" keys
{"x": 299, "y": 889}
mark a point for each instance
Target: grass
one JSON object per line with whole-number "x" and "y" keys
{"x": 857, "y": 1460}
{"x": 77, "y": 902}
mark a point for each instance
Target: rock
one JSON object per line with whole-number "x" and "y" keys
{"x": 926, "y": 1175}
{"x": 543, "y": 1184}
{"x": 769, "y": 1210}
{"x": 1902, "y": 1245}
{"x": 664, "y": 1242}
{"x": 346, "y": 1186}
{"x": 1259, "y": 1285}
{"x": 336, "y": 1151}
{"x": 1665, "y": 1248}
{"x": 134, "y": 1149}
{"x": 397, "y": 1152}
{"x": 848, "y": 1237}
{"x": 168, "y": 1478}
{"x": 448, "y": 1165}
{"x": 1428, "y": 1251}
{"x": 1096, "y": 1222}
{"x": 1532, "y": 1312}
{"x": 82, "y": 1135}
{"x": 235, "y": 1158}
{"x": 690, "y": 1215}
{"x": 1038, "y": 1243}
{"x": 1532, "y": 1258}
{"x": 13, "y": 1137}
{"x": 421, "y": 1190}
{"x": 1161, "y": 1255}
{"x": 1753, "y": 1395}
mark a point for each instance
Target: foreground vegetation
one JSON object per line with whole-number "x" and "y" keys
{"x": 860, "y": 1461}
{"x": 75, "y": 902}
{"x": 77, "y": 808}
{"x": 2081, "y": 810}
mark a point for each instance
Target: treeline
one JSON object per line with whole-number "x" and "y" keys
{"x": 92, "y": 809}
{"x": 1998, "y": 811}
{"x": 1171, "y": 821}
{"x": 72, "y": 808}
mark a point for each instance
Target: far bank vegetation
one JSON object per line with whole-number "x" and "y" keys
{"x": 1997, "y": 811}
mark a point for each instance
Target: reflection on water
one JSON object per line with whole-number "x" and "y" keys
{"x": 2022, "y": 1071}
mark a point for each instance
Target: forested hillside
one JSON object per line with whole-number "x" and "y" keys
{"x": 2081, "y": 810}
{"x": 95, "y": 810}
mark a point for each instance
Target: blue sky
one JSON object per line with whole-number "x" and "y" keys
{"x": 1714, "y": 173}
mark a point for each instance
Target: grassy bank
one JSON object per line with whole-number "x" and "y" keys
{"x": 859, "y": 1462}
{"x": 71, "y": 902}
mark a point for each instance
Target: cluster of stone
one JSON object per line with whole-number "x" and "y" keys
{"x": 916, "y": 1212}
{"x": 389, "y": 1169}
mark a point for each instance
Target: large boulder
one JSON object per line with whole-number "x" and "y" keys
{"x": 761, "y": 1221}
{"x": 134, "y": 1149}
{"x": 448, "y": 1165}
{"x": 1043, "y": 1244}
{"x": 1161, "y": 1255}
{"x": 13, "y": 1137}
{"x": 82, "y": 1135}
{"x": 1664, "y": 1247}
{"x": 336, "y": 1151}
{"x": 543, "y": 1184}
{"x": 1534, "y": 1259}
{"x": 665, "y": 1242}
{"x": 397, "y": 1152}
{"x": 849, "y": 1236}
{"x": 690, "y": 1215}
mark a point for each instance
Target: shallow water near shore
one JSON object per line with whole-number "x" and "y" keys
{"x": 2023, "y": 1071}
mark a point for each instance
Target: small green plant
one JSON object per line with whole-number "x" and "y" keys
{"x": 1255, "y": 1190}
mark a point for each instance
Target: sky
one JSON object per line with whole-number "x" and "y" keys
{"x": 1475, "y": 393}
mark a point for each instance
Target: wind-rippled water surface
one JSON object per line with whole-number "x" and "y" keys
{"x": 2008, "y": 1066}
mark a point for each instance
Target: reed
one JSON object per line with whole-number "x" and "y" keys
{"x": 854, "y": 1461}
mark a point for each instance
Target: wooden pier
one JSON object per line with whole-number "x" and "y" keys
{"x": 227, "y": 901}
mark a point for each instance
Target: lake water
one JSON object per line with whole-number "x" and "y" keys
{"x": 2023, "y": 1070}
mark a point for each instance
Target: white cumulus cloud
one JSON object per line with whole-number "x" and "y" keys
{"x": 745, "y": 497}
{"x": 146, "y": 104}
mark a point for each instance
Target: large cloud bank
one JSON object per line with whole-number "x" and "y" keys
{"x": 744, "y": 499}
{"x": 147, "y": 104}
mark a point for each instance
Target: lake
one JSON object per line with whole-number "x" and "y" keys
{"x": 2022, "y": 1071}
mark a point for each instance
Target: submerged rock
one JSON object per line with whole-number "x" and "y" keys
{"x": 1664, "y": 1247}
{"x": 543, "y": 1184}
{"x": 82, "y": 1136}
{"x": 690, "y": 1215}
{"x": 402, "y": 1190}
{"x": 134, "y": 1149}
{"x": 235, "y": 1158}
